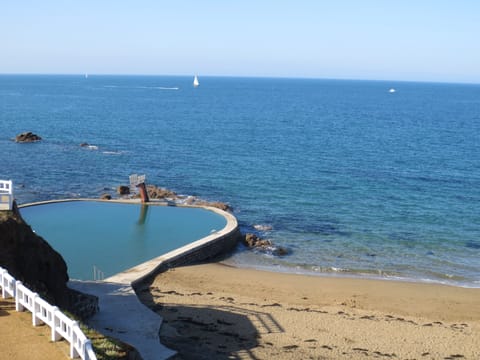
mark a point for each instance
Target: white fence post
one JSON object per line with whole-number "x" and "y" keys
{"x": 42, "y": 312}
{"x": 8, "y": 285}
{"x": 55, "y": 322}
{"x": 18, "y": 303}
{"x": 2, "y": 271}
{"x": 35, "y": 320}
{"x": 6, "y": 194}
{"x": 73, "y": 349}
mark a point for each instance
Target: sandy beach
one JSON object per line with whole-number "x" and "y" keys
{"x": 214, "y": 311}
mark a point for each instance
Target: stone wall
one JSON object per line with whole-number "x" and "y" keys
{"x": 209, "y": 250}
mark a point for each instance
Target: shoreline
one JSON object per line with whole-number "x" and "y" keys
{"x": 350, "y": 275}
{"x": 247, "y": 265}
{"x": 222, "y": 311}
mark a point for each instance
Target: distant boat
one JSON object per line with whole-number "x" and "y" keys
{"x": 195, "y": 81}
{"x": 392, "y": 90}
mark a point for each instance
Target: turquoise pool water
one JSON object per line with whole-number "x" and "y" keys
{"x": 115, "y": 236}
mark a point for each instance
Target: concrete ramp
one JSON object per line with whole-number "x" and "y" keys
{"x": 124, "y": 317}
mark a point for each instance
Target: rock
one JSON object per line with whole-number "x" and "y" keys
{"x": 215, "y": 204}
{"x": 123, "y": 190}
{"x": 252, "y": 241}
{"x": 263, "y": 243}
{"x": 106, "y": 197}
{"x": 84, "y": 144}
{"x": 218, "y": 205}
{"x": 27, "y": 137}
{"x": 155, "y": 192}
{"x": 31, "y": 260}
{"x": 280, "y": 251}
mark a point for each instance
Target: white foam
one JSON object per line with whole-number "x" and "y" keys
{"x": 262, "y": 227}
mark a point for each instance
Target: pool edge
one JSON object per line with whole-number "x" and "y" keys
{"x": 199, "y": 250}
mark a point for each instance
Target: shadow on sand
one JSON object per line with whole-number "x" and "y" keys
{"x": 6, "y": 306}
{"x": 206, "y": 332}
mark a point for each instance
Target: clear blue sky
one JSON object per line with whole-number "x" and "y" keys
{"x": 425, "y": 40}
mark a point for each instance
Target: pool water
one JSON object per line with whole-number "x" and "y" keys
{"x": 113, "y": 237}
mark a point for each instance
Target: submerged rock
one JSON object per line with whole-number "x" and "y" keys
{"x": 27, "y": 137}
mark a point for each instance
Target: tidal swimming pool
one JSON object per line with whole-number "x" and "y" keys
{"x": 113, "y": 237}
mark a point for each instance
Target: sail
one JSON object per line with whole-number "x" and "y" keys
{"x": 195, "y": 81}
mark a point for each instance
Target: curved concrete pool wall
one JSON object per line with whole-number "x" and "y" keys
{"x": 200, "y": 250}
{"x": 203, "y": 249}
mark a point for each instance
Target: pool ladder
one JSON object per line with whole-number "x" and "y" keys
{"x": 98, "y": 274}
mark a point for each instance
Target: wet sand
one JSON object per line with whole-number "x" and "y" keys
{"x": 214, "y": 311}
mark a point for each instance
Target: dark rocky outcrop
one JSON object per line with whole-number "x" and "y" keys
{"x": 30, "y": 259}
{"x": 155, "y": 192}
{"x": 27, "y": 137}
{"x": 253, "y": 241}
{"x": 123, "y": 190}
{"x": 159, "y": 193}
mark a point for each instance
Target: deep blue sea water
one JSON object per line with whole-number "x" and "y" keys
{"x": 354, "y": 180}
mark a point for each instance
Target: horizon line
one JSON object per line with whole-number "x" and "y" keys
{"x": 82, "y": 74}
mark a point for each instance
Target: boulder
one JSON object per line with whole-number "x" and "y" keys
{"x": 155, "y": 192}
{"x": 27, "y": 137}
{"x": 252, "y": 241}
{"x": 123, "y": 190}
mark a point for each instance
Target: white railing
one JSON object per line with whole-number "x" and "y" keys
{"x": 44, "y": 313}
{"x": 6, "y": 194}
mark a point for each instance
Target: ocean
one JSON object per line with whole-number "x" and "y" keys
{"x": 352, "y": 179}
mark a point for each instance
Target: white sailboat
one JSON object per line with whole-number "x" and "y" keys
{"x": 195, "y": 81}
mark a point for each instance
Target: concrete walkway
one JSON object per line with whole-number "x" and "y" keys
{"x": 124, "y": 317}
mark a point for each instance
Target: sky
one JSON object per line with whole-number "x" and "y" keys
{"x": 410, "y": 40}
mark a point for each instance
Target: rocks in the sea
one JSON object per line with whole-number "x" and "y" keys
{"x": 89, "y": 146}
{"x": 106, "y": 197}
{"x": 159, "y": 193}
{"x": 215, "y": 204}
{"x": 123, "y": 190}
{"x": 253, "y": 241}
{"x": 280, "y": 251}
{"x": 155, "y": 192}
{"x": 27, "y": 137}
